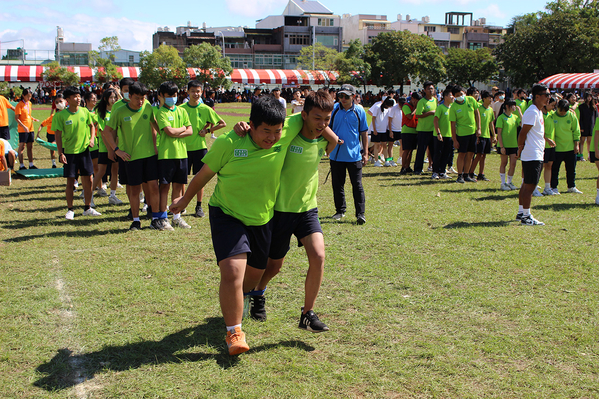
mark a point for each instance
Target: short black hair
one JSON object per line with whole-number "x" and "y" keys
{"x": 447, "y": 91}
{"x": 169, "y": 88}
{"x": 563, "y": 105}
{"x": 138, "y": 88}
{"x": 71, "y": 91}
{"x": 471, "y": 90}
{"x": 25, "y": 92}
{"x": 88, "y": 94}
{"x": 126, "y": 82}
{"x": 484, "y": 94}
{"x": 193, "y": 83}
{"x": 537, "y": 89}
{"x": 267, "y": 110}
{"x": 416, "y": 96}
{"x": 456, "y": 90}
{"x": 427, "y": 84}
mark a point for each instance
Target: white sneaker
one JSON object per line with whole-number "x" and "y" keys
{"x": 212, "y": 136}
{"x": 513, "y": 186}
{"x": 113, "y": 200}
{"x": 505, "y": 187}
{"x": 574, "y": 190}
{"x": 548, "y": 191}
{"x": 104, "y": 186}
{"x": 387, "y": 164}
{"x": 444, "y": 176}
{"x": 142, "y": 197}
{"x": 101, "y": 192}
{"x": 378, "y": 164}
{"x": 91, "y": 212}
{"x": 452, "y": 170}
{"x": 144, "y": 209}
{"x": 338, "y": 216}
{"x": 426, "y": 160}
{"x": 399, "y": 161}
{"x": 70, "y": 215}
{"x": 536, "y": 193}
{"x": 597, "y": 201}
{"x": 555, "y": 191}
{"x": 430, "y": 168}
{"x": 392, "y": 163}
{"x": 182, "y": 224}
{"x": 528, "y": 220}
{"x": 118, "y": 185}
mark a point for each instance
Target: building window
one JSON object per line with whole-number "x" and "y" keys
{"x": 453, "y": 31}
{"x": 327, "y": 40}
{"x": 475, "y": 46}
{"x": 131, "y": 59}
{"x": 298, "y": 39}
{"x": 430, "y": 28}
{"x": 326, "y": 22}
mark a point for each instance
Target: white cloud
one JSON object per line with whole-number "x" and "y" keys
{"x": 492, "y": 13}
{"x": 255, "y": 8}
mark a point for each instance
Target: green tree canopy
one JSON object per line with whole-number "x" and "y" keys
{"x": 213, "y": 68}
{"x": 110, "y": 45}
{"x": 351, "y": 66}
{"x": 56, "y": 73}
{"x": 161, "y": 65}
{"x": 324, "y": 59}
{"x": 464, "y": 66}
{"x": 106, "y": 71}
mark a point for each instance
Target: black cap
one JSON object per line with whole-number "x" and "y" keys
{"x": 347, "y": 89}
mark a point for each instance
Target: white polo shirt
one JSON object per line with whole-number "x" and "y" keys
{"x": 534, "y": 147}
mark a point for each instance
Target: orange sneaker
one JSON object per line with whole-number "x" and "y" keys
{"x": 236, "y": 342}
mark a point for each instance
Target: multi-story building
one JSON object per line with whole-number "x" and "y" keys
{"x": 364, "y": 27}
{"x": 72, "y": 54}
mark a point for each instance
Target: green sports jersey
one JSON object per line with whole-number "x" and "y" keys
{"x": 94, "y": 118}
{"x": 549, "y": 128}
{"x": 426, "y": 124}
{"x": 75, "y": 128}
{"x": 442, "y": 113}
{"x": 171, "y": 147}
{"x": 463, "y": 116}
{"x": 299, "y": 176}
{"x": 522, "y": 104}
{"x": 509, "y": 130}
{"x": 120, "y": 103}
{"x": 198, "y": 117}
{"x": 406, "y": 110}
{"x": 101, "y": 125}
{"x": 134, "y": 130}
{"x": 567, "y": 131}
{"x": 486, "y": 117}
{"x": 249, "y": 177}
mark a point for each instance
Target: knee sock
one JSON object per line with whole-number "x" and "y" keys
{"x": 502, "y": 175}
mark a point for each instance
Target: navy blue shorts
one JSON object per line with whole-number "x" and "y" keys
{"x": 379, "y": 137}
{"x": 172, "y": 171}
{"x": 285, "y": 224}
{"x": 510, "y": 151}
{"x": 409, "y": 141}
{"x": 483, "y": 146}
{"x": 231, "y": 237}
{"x": 396, "y": 136}
{"x": 78, "y": 165}
{"x": 26, "y": 137}
{"x": 5, "y": 133}
{"x": 549, "y": 155}
{"x": 139, "y": 171}
{"x": 467, "y": 143}
{"x": 104, "y": 160}
{"x": 592, "y": 157}
{"x": 94, "y": 154}
{"x": 51, "y": 138}
{"x": 194, "y": 159}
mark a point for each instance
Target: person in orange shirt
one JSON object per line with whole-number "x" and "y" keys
{"x": 3, "y": 164}
{"x": 60, "y": 104}
{"x": 25, "y": 121}
{"x": 4, "y": 106}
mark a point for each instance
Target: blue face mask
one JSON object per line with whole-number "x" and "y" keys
{"x": 126, "y": 96}
{"x": 170, "y": 101}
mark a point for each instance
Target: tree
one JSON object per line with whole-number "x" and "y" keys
{"x": 464, "y": 66}
{"x": 563, "y": 40}
{"x": 161, "y": 65}
{"x": 395, "y": 57}
{"x": 322, "y": 57}
{"x": 213, "y": 68}
{"x": 58, "y": 74}
{"x": 106, "y": 71}
{"x": 110, "y": 45}
{"x": 351, "y": 66}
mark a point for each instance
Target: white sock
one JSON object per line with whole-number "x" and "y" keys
{"x": 509, "y": 179}
{"x": 54, "y": 162}
{"x": 22, "y": 165}
{"x": 548, "y": 186}
{"x": 598, "y": 193}
{"x": 502, "y": 175}
{"x": 232, "y": 328}
{"x": 112, "y": 193}
{"x": 136, "y": 219}
{"x": 30, "y": 164}
{"x": 176, "y": 216}
{"x": 520, "y": 209}
{"x": 526, "y": 212}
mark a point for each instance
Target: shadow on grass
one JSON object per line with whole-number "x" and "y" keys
{"x": 66, "y": 369}
{"x": 79, "y": 233}
{"x": 499, "y": 197}
{"x": 482, "y": 190}
{"x": 330, "y": 220}
{"x": 35, "y": 191}
{"x": 566, "y": 207}
{"x": 461, "y": 225}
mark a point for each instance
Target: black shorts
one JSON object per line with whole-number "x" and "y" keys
{"x": 549, "y": 155}
{"x": 231, "y": 237}
{"x": 139, "y": 171}
{"x": 531, "y": 170}
{"x": 51, "y": 138}
{"x": 510, "y": 151}
{"x": 483, "y": 146}
{"x": 396, "y": 136}
{"x": 78, "y": 165}
{"x": 467, "y": 143}
{"x": 379, "y": 137}
{"x": 94, "y": 154}
{"x": 592, "y": 157}
{"x": 104, "y": 160}
{"x": 285, "y": 224}
{"x": 409, "y": 141}
{"x": 26, "y": 137}
{"x": 172, "y": 171}
{"x": 5, "y": 133}
{"x": 194, "y": 159}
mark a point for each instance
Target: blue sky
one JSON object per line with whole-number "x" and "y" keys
{"x": 134, "y": 22}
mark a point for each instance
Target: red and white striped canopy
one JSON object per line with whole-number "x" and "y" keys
{"x": 572, "y": 81}
{"x": 25, "y": 73}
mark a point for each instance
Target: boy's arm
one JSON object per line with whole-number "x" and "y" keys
{"x": 221, "y": 124}
{"x": 456, "y": 144}
{"x": 332, "y": 138}
{"x": 93, "y": 135}
{"x": 197, "y": 183}
{"x": 176, "y": 131}
{"x": 492, "y": 131}
{"x": 437, "y": 128}
{"x": 477, "y": 118}
{"x": 61, "y": 157}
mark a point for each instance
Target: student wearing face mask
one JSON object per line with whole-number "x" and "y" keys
{"x": 499, "y": 98}
{"x": 465, "y": 129}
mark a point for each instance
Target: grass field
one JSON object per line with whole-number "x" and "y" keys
{"x": 439, "y": 295}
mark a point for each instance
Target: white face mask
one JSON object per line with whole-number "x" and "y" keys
{"x": 460, "y": 99}
{"x": 502, "y": 97}
{"x": 60, "y": 106}
{"x": 126, "y": 96}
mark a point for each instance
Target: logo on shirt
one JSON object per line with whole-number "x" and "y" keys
{"x": 568, "y": 122}
{"x": 82, "y": 119}
{"x": 296, "y": 149}
{"x": 127, "y": 119}
{"x": 68, "y": 122}
{"x": 107, "y": 118}
{"x": 276, "y": 148}
{"x": 240, "y": 153}
{"x": 170, "y": 118}
{"x": 145, "y": 116}
{"x": 458, "y": 111}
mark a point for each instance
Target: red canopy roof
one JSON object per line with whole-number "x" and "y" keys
{"x": 572, "y": 81}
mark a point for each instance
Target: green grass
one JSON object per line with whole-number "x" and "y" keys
{"x": 440, "y": 294}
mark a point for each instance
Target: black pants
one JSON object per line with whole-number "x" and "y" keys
{"x": 442, "y": 154}
{"x": 354, "y": 169}
{"x": 569, "y": 159}
{"x": 425, "y": 140}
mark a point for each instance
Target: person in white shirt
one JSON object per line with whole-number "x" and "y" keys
{"x": 381, "y": 137}
{"x": 395, "y": 118}
{"x": 531, "y": 148}
{"x": 297, "y": 104}
{"x": 277, "y": 93}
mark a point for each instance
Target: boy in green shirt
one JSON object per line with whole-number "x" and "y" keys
{"x": 487, "y": 136}
{"x": 425, "y": 112}
{"x": 465, "y": 129}
{"x": 567, "y": 137}
{"x": 240, "y": 223}
{"x": 444, "y": 141}
{"x": 174, "y": 127}
{"x": 203, "y": 120}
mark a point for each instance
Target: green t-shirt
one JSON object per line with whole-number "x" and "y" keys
{"x": 463, "y": 116}
{"x": 442, "y": 113}
{"x": 75, "y": 128}
{"x": 119, "y": 104}
{"x": 171, "y": 147}
{"x": 101, "y": 126}
{"x": 134, "y": 130}
{"x": 249, "y": 177}
{"x": 567, "y": 131}
{"x": 486, "y": 117}
{"x": 299, "y": 177}
{"x": 593, "y": 138}
{"x": 549, "y": 128}
{"x": 509, "y": 130}
{"x": 426, "y": 124}
{"x": 406, "y": 110}
{"x": 198, "y": 117}
{"x": 522, "y": 104}
{"x": 94, "y": 118}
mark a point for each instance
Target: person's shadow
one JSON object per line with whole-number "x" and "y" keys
{"x": 66, "y": 370}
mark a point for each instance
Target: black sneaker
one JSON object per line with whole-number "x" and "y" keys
{"x": 469, "y": 179}
{"x": 403, "y": 171}
{"x": 149, "y": 213}
{"x": 257, "y": 309}
{"x": 311, "y": 322}
{"x": 460, "y": 179}
{"x": 361, "y": 219}
{"x": 519, "y": 216}
{"x": 482, "y": 177}
{"x": 33, "y": 167}
{"x": 136, "y": 225}
{"x": 54, "y": 166}
{"x": 199, "y": 211}
{"x": 22, "y": 168}
{"x": 130, "y": 215}
{"x": 409, "y": 170}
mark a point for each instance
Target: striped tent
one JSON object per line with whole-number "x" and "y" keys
{"x": 572, "y": 81}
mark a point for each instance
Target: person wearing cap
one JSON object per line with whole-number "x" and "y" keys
{"x": 348, "y": 121}
{"x": 277, "y": 93}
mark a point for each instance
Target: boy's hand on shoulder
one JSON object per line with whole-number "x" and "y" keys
{"x": 241, "y": 128}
